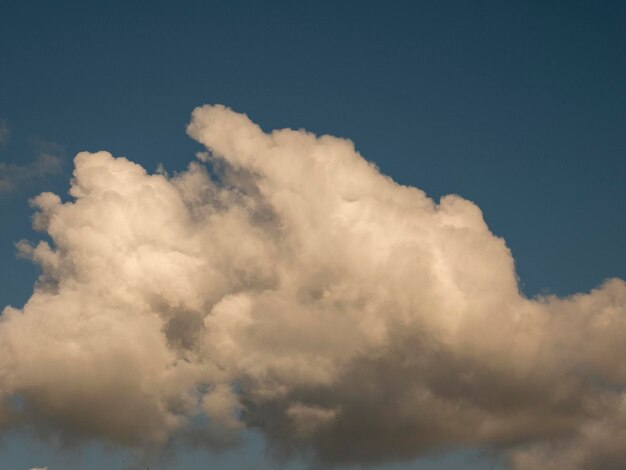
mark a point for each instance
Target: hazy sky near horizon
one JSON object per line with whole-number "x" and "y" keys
{"x": 518, "y": 107}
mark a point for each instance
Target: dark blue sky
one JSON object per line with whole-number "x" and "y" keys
{"x": 517, "y": 106}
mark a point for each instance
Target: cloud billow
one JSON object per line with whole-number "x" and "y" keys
{"x": 296, "y": 290}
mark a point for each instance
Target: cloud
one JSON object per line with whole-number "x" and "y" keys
{"x": 599, "y": 443}
{"x": 5, "y": 132}
{"x": 296, "y": 290}
{"x": 47, "y": 163}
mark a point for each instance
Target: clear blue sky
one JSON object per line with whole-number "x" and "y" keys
{"x": 517, "y": 106}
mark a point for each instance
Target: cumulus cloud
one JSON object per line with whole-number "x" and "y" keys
{"x": 296, "y": 290}
{"x": 47, "y": 163}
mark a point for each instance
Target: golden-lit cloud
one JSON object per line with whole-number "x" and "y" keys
{"x": 296, "y": 290}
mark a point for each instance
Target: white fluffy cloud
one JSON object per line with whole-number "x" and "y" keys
{"x": 297, "y": 290}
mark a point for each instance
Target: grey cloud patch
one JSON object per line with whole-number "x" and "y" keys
{"x": 5, "y": 132}
{"x": 295, "y": 290}
{"x": 48, "y": 162}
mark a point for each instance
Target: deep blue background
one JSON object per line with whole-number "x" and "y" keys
{"x": 517, "y": 106}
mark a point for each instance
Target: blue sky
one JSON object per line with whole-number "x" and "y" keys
{"x": 517, "y": 106}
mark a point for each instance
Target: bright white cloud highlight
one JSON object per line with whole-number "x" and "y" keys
{"x": 305, "y": 294}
